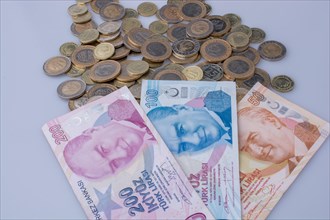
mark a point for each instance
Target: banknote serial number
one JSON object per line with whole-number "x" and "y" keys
{"x": 151, "y": 98}
{"x": 58, "y": 134}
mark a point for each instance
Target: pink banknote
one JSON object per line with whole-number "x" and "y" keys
{"x": 118, "y": 165}
{"x": 276, "y": 138}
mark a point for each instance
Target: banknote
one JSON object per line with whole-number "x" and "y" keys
{"x": 118, "y": 165}
{"x": 198, "y": 122}
{"x": 276, "y": 140}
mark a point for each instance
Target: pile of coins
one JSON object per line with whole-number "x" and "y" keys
{"x": 184, "y": 43}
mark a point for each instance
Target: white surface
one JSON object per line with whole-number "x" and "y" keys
{"x": 33, "y": 185}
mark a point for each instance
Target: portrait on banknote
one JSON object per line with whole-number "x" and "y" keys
{"x": 198, "y": 123}
{"x": 276, "y": 140}
{"x": 183, "y": 134}
{"x": 268, "y": 137}
{"x": 106, "y": 149}
{"x": 117, "y": 164}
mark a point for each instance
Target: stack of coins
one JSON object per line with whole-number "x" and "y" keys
{"x": 185, "y": 42}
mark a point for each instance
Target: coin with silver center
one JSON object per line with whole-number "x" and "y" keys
{"x": 112, "y": 12}
{"x": 191, "y": 10}
{"x": 105, "y": 71}
{"x": 83, "y": 56}
{"x": 272, "y": 50}
{"x": 282, "y": 83}
{"x": 57, "y": 65}
{"x": 71, "y": 89}
{"x": 212, "y": 72}
{"x": 200, "y": 28}
{"x": 156, "y": 50}
{"x": 260, "y": 76}
{"x": 215, "y": 50}
{"x": 239, "y": 67}
{"x": 101, "y": 90}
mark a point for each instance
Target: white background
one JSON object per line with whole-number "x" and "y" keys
{"x": 33, "y": 185}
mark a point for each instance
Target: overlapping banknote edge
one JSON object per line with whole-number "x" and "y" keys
{"x": 129, "y": 96}
{"x": 232, "y": 87}
{"x": 294, "y": 174}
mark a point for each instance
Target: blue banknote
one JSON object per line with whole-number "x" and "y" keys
{"x": 198, "y": 123}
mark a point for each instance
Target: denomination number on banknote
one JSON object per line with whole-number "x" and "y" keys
{"x": 256, "y": 98}
{"x": 194, "y": 180}
{"x": 151, "y": 98}
{"x": 58, "y": 134}
{"x": 130, "y": 201}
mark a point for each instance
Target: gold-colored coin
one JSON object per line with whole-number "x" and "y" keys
{"x": 83, "y": 56}
{"x": 130, "y": 23}
{"x": 238, "y": 39}
{"x": 233, "y": 19}
{"x": 76, "y": 29}
{"x": 130, "y": 13}
{"x": 94, "y": 98}
{"x": 120, "y": 53}
{"x": 156, "y": 50}
{"x": 240, "y": 93}
{"x": 120, "y": 84}
{"x": 193, "y": 73}
{"x": 86, "y": 77}
{"x": 75, "y": 71}
{"x": 174, "y": 66}
{"x": 102, "y": 89}
{"x": 153, "y": 64}
{"x": 242, "y": 28}
{"x": 76, "y": 103}
{"x": 82, "y": 18}
{"x": 109, "y": 27}
{"x": 77, "y": 9}
{"x": 147, "y": 9}
{"x": 123, "y": 76}
{"x": 183, "y": 61}
{"x": 109, "y": 37}
{"x": 177, "y": 32}
{"x": 221, "y": 25}
{"x": 200, "y": 28}
{"x": 169, "y": 13}
{"x": 148, "y": 76}
{"x": 112, "y": 12}
{"x": 96, "y": 5}
{"x": 158, "y": 37}
{"x": 67, "y": 49}
{"x": 71, "y": 89}
{"x": 57, "y": 65}
{"x": 129, "y": 45}
{"x": 158, "y": 27}
{"x": 118, "y": 42}
{"x": 136, "y": 90}
{"x": 260, "y": 76}
{"x": 251, "y": 53}
{"x": 104, "y": 51}
{"x": 238, "y": 67}
{"x": 215, "y": 50}
{"x": 137, "y": 68}
{"x": 170, "y": 74}
{"x": 105, "y": 71}
{"x": 137, "y": 36}
{"x": 88, "y": 36}
{"x": 191, "y": 10}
